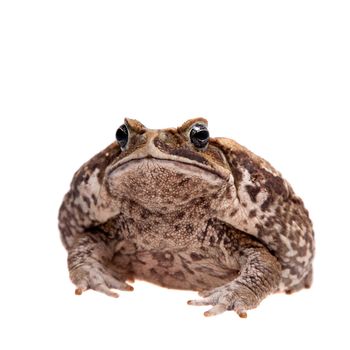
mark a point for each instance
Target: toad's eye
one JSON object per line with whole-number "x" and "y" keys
{"x": 199, "y": 135}
{"x": 122, "y": 135}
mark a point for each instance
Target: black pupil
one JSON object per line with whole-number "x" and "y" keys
{"x": 202, "y": 135}
{"x": 122, "y": 135}
{"x": 199, "y": 136}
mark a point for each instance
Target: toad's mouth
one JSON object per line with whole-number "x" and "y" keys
{"x": 163, "y": 184}
{"x": 153, "y": 164}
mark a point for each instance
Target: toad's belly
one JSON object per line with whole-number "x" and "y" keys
{"x": 192, "y": 269}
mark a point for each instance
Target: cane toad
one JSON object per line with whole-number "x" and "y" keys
{"x": 180, "y": 209}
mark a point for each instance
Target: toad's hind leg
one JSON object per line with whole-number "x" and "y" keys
{"x": 260, "y": 274}
{"x": 306, "y": 282}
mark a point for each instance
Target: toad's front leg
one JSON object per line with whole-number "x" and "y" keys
{"x": 85, "y": 209}
{"x": 89, "y": 263}
{"x": 259, "y": 276}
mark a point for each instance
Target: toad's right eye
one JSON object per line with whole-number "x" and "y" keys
{"x": 199, "y": 135}
{"x": 122, "y": 136}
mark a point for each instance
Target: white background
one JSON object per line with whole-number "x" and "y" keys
{"x": 273, "y": 75}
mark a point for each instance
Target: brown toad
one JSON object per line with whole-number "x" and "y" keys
{"x": 182, "y": 210}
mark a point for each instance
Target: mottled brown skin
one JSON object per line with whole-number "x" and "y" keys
{"x": 219, "y": 220}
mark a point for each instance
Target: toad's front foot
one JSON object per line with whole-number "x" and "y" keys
{"x": 259, "y": 276}
{"x": 93, "y": 275}
{"x": 232, "y": 296}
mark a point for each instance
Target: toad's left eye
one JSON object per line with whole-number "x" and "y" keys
{"x": 199, "y": 135}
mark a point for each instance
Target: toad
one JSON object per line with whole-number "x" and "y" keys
{"x": 183, "y": 210}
